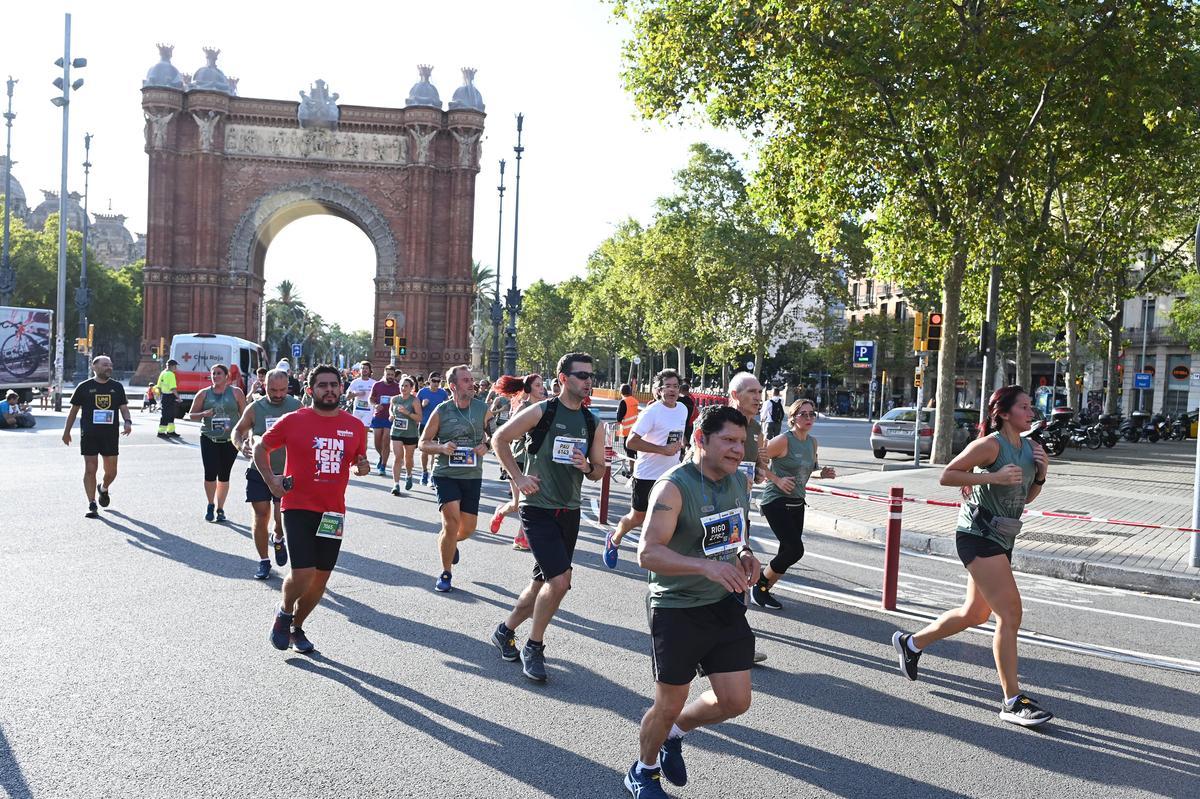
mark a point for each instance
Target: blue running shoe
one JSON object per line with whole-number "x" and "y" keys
{"x": 443, "y": 583}
{"x": 264, "y": 570}
{"x": 382, "y": 470}
{"x": 644, "y": 783}
{"x": 300, "y": 641}
{"x": 424, "y": 478}
{"x": 610, "y": 552}
{"x": 455, "y": 561}
{"x": 671, "y": 759}
{"x": 208, "y": 514}
{"x": 280, "y": 552}
{"x": 220, "y": 515}
{"x": 408, "y": 483}
{"x": 281, "y": 630}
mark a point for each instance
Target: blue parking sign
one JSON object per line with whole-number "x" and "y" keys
{"x": 863, "y": 354}
{"x": 1142, "y": 379}
{"x": 296, "y": 352}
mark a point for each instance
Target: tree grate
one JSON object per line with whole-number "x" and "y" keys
{"x": 1058, "y": 538}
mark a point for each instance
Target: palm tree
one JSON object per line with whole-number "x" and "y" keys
{"x": 484, "y": 278}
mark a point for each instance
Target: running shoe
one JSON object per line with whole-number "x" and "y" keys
{"x": 443, "y": 583}
{"x": 763, "y": 597}
{"x": 759, "y": 657}
{"x": 408, "y": 483}
{"x": 280, "y": 552}
{"x": 533, "y": 662}
{"x": 264, "y": 570}
{"x": 92, "y": 512}
{"x": 424, "y": 478}
{"x": 173, "y": 434}
{"x": 455, "y": 561}
{"x": 907, "y": 658}
{"x": 396, "y": 490}
{"x": 497, "y": 520}
{"x": 644, "y": 783}
{"x": 104, "y": 498}
{"x": 520, "y": 542}
{"x": 1024, "y": 711}
{"x": 610, "y": 551}
{"x": 300, "y": 642}
{"x": 220, "y": 515}
{"x": 281, "y": 630}
{"x": 382, "y": 469}
{"x": 208, "y": 514}
{"x": 507, "y": 644}
{"x": 671, "y": 759}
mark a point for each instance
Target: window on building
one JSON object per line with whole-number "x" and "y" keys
{"x": 1148, "y": 313}
{"x": 1178, "y": 383}
{"x": 883, "y": 309}
{"x": 870, "y": 292}
{"x": 901, "y": 311}
{"x": 854, "y": 293}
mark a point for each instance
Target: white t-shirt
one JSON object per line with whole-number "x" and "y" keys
{"x": 361, "y": 389}
{"x": 658, "y": 425}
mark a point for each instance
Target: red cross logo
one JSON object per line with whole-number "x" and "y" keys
{"x": 187, "y": 356}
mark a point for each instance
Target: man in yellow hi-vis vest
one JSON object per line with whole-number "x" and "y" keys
{"x": 168, "y": 392}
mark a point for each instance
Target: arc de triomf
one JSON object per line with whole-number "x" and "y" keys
{"x": 227, "y": 173}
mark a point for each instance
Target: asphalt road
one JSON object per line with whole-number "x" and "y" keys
{"x": 136, "y": 663}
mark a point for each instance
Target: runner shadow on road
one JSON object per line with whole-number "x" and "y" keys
{"x": 531, "y": 760}
{"x": 155, "y": 540}
{"x": 12, "y": 780}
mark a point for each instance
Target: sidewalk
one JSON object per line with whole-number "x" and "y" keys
{"x": 1137, "y": 482}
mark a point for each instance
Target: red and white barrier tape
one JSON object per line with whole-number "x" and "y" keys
{"x": 1074, "y": 517}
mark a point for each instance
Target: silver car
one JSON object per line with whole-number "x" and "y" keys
{"x": 894, "y": 431}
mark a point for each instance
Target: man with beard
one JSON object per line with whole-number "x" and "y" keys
{"x": 100, "y": 399}
{"x": 321, "y": 443}
{"x": 381, "y": 421}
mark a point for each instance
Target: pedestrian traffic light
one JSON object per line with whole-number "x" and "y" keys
{"x": 402, "y": 346}
{"x": 389, "y": 332}
{"x": 81, "y": 344}
{"x": 933, "y": 334}
{"x": 91, "y": 336}
{"x": 918, "y": 331}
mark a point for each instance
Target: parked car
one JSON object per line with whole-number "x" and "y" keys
{"x": 894, "y": 431}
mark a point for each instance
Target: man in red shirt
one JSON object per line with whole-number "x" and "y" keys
{"x": 381, "y": 423}
{"x": 321, "y": 442}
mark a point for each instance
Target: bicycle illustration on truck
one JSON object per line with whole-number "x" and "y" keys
{"x": 24, "y": 345}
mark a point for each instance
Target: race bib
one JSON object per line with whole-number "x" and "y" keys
{"x": 503, "y": 416}
{"x": 362, "y": 405}
{"x": 400, "y": 424}
{"x": 220, "y": 425}
{"x": 270, "y": 421}
{"x": 747, "y": 468}
{"x": 385, "y": 400}
{"x": 103, "y": 417}
{"x": 724, "y": 533}
{"x": 564, "y": 446}
{"x": 463, "y": 456}
{"x": 673, "y": 436}
{"x": 332, "y": 525}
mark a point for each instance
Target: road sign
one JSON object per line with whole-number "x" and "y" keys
{"x": 637, "y": 359}
{"x": 864, "y": 354}
{"x": 296, "y": 352}
{"x": 750, "y": 365}
{"x": 1142, "y": 379}
{"x": 1196, "y": 376}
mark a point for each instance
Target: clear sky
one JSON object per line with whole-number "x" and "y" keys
{"x": 589, "y": 161}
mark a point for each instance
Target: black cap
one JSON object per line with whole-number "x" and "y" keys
{"x": 172, "y": 362}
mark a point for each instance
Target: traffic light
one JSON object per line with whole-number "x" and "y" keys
{"x": 933, "y": 335}
{"x": 918, "y": 331}
{"x": 402, "y": 346}
{"x": 91, "y": 336}
{"x": 389, "y": 332}
{"x": 81, "y": 344}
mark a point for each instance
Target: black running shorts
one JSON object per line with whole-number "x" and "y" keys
{"x": 305, "y": 549}
{"x": 105, "y": 444}
{"x": 972, "y": 546}
{"x": 715, "y": 638}
{"x": 641, "y": 494}
{"x": 552, "y": 535}
{"x": 464, "y": 492}
{"x": 218, "y": 458}
{"x": 257, "y": 489}
{"x": 408, "y": 441}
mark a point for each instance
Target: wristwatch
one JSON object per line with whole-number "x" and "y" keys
{"x": 1041, "y": 482}
{"x": 744, "y": 550}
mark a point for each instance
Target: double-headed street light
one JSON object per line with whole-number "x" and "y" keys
{"x": 497, "y": 308}
{"x": 8, "y": 280}
{"x": 63, "y": 101}
{"x": 514, "y": 294}
{"x": 82, "y": 296}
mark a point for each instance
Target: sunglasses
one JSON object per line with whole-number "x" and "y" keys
{"x": 806, "y": 415}
{"x": 583, "y": 375}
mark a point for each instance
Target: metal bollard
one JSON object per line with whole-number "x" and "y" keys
{"x": 891, "y": 558}
{"x": 604, "y": 488}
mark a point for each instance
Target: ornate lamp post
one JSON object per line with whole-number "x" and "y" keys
{"x": 497, "y": 309}
{"x": 514, "y": 294}
{"x": 82, "y": 295}
{"x": 8, "y": 280}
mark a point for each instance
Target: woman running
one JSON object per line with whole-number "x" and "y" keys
{"x": 406, "y": 416}
{"x": 793, "y": 457}
{"x": 521, "y": 392}
{"x": 999, "y": 473}
{"x": 218, "y": 407}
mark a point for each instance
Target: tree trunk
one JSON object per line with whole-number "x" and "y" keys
{"x": 1024, "y": 341}
{"x": 681, "y": 350}
{"x": 1074, "y": 375}
{"x": 948, "y": 357}
{"x": 760, "y": 354}
{"x": 1114, "y": 325}
{"x": 725, "y": 375}
{"x": 704, "y": 371}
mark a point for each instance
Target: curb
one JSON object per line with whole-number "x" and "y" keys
{"x": 1182, "y": 586}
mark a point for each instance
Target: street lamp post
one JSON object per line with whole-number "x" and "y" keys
{"x": 82, "y": 297}
{"x": 65, "y": 85}
{"x": 514, "y": 295}
{"x": 1196, "y": 469}
{"x": 8, "y": 280}
{"x": 497, "y": 309}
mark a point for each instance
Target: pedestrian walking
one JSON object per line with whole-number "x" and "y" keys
{"x": 97, "y": 401}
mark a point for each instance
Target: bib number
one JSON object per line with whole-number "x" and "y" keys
{"x": 270, "y": 421}
{"x": 332, "y": 525}
{"x": 747, "y": 468}
{"x": 463, "y": 456}
{"x": 673, "y": 436}
{"x": 400, "y": 424}
{"x": 362, "y": 405}
{"x": 220, "y": 425}
{"x": 103, "y": 417}
{"x": 385, "y": 400}
{"x": 724, "y": 533}
{"x": 565, "y": 447}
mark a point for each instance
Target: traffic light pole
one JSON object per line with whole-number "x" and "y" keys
{"x": 921, "y": 358}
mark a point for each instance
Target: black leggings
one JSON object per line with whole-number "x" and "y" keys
{"x": 786, "y": 517}
{"x": 218, "y": 457}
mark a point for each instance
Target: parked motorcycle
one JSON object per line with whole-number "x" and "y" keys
{"x": 1109, "y": 425}
{"x": 1143, "y": 422}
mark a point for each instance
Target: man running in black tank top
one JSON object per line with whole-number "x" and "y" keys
{"x": 555, "y": 467}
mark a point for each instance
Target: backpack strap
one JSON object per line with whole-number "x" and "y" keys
{"x": 538, "y": 434}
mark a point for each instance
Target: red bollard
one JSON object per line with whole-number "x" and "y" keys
{"x": 891, "y": 558}
{"x": 604, "y": 484}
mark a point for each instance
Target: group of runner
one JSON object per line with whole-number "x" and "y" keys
{"x": 691, "y": 497}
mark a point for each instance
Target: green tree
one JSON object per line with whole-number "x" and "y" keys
{"x": 542, "y": 328}
{"x": 1185, "y": 313}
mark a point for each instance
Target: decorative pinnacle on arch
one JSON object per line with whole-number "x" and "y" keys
{"x": 165, "y": 51}
{"x": 425, "y": 70}
{"x": 210, "y": 54}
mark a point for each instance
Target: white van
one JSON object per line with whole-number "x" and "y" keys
{"x": 198, "y": 352}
